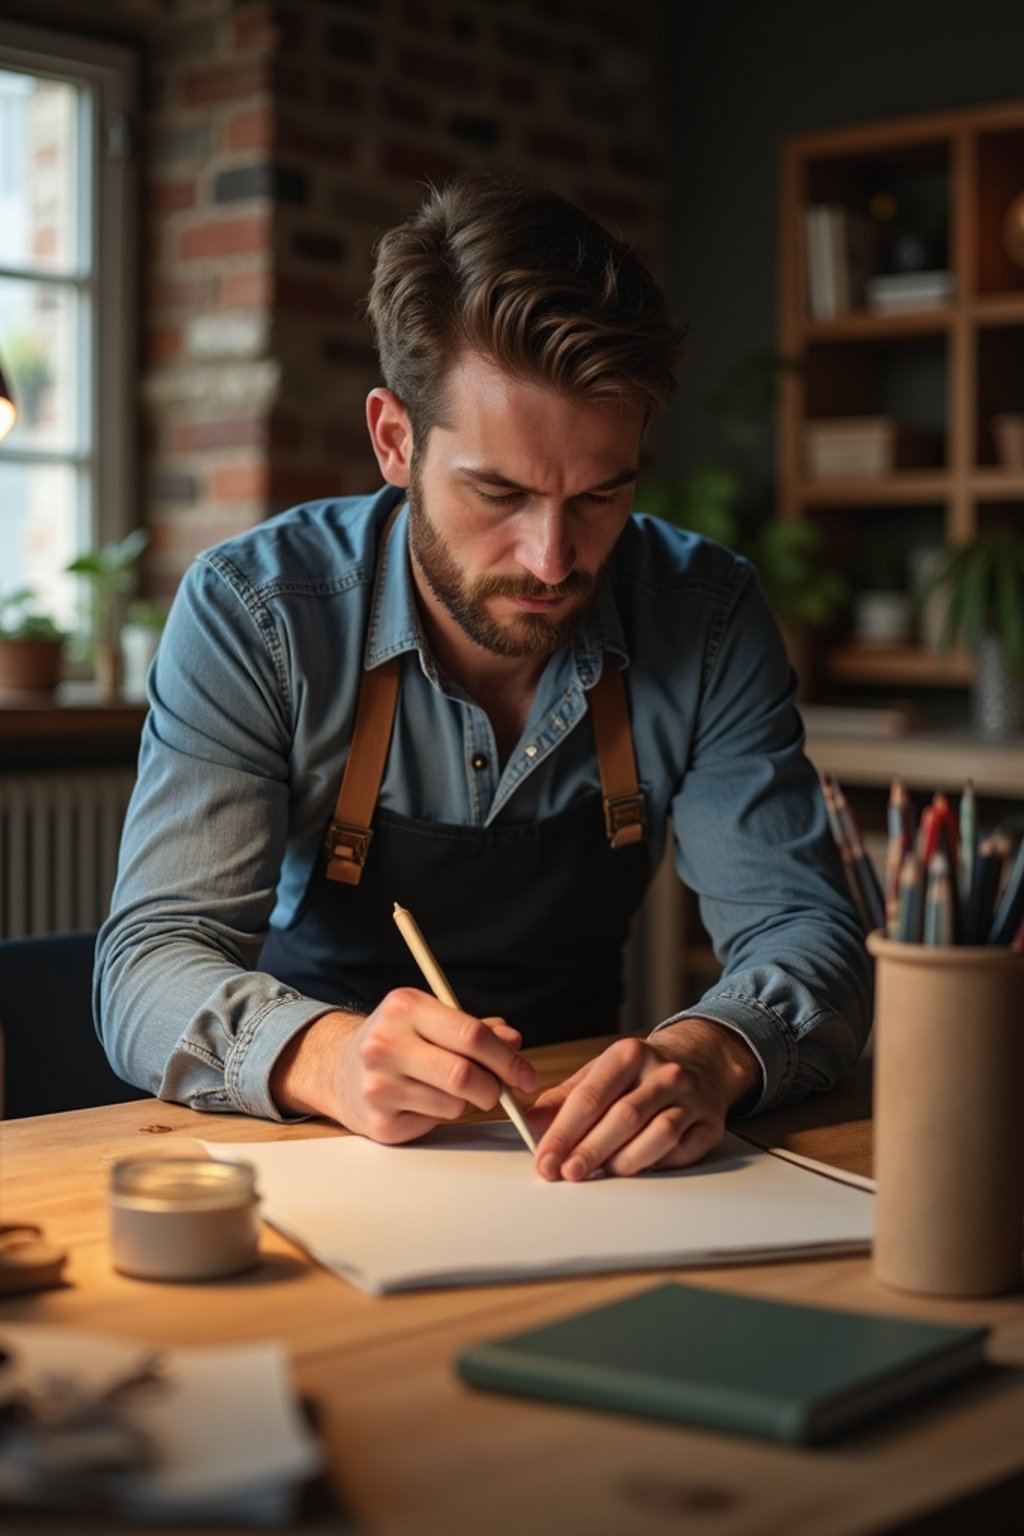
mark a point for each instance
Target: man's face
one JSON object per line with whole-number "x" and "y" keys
{"x": 516, "y": 504}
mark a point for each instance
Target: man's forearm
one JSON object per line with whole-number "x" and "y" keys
{"x": 309, "y": 1064}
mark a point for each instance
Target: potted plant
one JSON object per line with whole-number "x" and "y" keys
{"x": 983, "y": 583}
{"x": 140, "y": 636}
{"x": 883, "y": 607}
{"x": 112, "y": 574}
{"x": 787, "y": 555}
{"x": 31, "y": 645}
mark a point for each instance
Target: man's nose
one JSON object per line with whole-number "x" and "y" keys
{"x": 546, "y": 548}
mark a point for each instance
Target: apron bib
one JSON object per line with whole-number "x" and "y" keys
{"x": 527, "y": 922}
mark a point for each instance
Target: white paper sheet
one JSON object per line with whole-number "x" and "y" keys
{"x": 464, "y": 1206}
{"x": 228, "y": 1438}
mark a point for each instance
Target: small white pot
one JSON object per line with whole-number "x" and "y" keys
{"x": 138, "y": 647}
{"x": 882, "y": 618}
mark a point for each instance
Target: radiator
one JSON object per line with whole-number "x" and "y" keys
{"x": 59, "y": 835}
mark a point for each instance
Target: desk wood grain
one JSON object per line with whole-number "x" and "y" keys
{"x": 414, "y": 1452}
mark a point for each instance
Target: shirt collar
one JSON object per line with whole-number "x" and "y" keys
{"x": 395, "y": 625}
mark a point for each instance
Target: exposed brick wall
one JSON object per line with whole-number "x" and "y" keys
{"x": 281, "y": 140}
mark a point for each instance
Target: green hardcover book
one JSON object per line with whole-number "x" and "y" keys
{"x": 728, "y": 1362}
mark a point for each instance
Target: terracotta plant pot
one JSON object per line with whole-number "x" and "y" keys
{"x": 30, "y": 666}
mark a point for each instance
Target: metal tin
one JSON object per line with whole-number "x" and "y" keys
{"x": 183, "y": 1218}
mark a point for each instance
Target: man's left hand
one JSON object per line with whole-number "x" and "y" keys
{"x": 655, "y": 1103}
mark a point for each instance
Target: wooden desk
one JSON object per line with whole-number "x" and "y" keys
{"x": 414, "y": 1452}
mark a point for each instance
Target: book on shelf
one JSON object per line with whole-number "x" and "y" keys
{"x": 864, "y": 447}
{"x": 820, "y": 300}
{"x": 894, "y": 292}
{"x": 841, "y": 253}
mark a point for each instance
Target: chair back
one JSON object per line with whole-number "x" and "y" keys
{"x": 52, "y": 1056}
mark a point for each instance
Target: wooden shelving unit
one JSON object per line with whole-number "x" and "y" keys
{"x": 909, "y": 664}
{"x": 967, "y": 354}
{"x": 964, "y": 358}
{"x": 901, "y": 489}
{"x": 863, "y": 325}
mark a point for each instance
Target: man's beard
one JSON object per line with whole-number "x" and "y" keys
{"x": 529, "y": 634}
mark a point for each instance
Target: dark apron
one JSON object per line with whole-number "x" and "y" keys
{"x": 527, "y": 922}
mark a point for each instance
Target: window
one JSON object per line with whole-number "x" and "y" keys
{"x": 67, "y": 305}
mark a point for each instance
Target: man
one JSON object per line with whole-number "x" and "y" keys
{"x": 523, "y": 687}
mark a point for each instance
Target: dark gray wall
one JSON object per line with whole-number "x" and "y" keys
{"x": 747, "y": 73}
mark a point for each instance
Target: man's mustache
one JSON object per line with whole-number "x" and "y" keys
{"x": 575, "y": 584}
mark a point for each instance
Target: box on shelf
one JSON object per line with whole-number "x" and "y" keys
{"x": 864, "y": 447}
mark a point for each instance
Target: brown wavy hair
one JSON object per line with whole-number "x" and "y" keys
{"x": 528, "y": 281}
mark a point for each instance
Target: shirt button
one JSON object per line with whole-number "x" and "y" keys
{"x": 531, "y": 751}
{"x": 478, "y": 760}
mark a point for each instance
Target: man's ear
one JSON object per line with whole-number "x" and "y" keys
{"x": 391, "y": 435}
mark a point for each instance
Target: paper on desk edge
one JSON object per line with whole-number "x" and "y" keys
{"x": 827, "y": 1170}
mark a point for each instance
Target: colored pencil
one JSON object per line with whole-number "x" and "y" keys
{"x": 1011, "y": 904}
{"x": 938, "y": 902}
{"x": 910, "y": 922}
{"x": 988, "y": 869}
{"x": 968, "y": 835}
{"x": 944, "y": 827}
{"x": 845, "y": 853}
{"x": 872, "y": 899}
{"x": 899, "y": 823}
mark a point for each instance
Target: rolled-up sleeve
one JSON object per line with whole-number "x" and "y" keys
{"x": 178, "y": 1005}
{"x": 752, "y": 841}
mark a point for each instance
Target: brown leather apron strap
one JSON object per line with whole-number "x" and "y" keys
{"x": 349, "y": 834}
{"x": 624, "y": 813}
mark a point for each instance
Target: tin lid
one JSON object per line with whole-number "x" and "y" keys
{"x": 181, "y": 1183}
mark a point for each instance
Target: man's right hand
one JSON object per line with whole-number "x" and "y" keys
{"x": 395, "y": 1074}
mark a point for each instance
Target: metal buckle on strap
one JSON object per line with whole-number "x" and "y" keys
{"x": 348, "y": 843}
{"x": 625, "y": 818}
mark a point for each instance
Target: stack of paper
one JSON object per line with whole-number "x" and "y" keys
{"x": 465, "y": 1206}
{"x": 109, "y": 1426}
{"x": 895, "y": 292}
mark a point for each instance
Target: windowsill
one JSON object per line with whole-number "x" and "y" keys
{"x": 75, "y": 709}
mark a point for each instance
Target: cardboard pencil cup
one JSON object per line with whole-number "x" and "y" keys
{"x": 949, "y": 1117}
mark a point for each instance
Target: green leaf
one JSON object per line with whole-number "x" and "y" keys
{"x": 984, "y": 580}
{"x": 111, "y": 573}
{"x": 1010, "y": 614}
{"x": 87, "y": 565}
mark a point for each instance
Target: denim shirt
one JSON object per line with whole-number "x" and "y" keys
{"x": 252, "y": 698}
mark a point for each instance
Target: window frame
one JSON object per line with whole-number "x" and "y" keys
{"x": 109, "y": 225}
